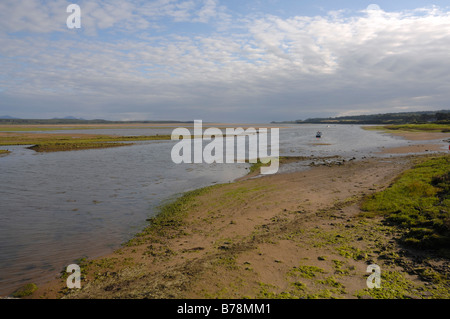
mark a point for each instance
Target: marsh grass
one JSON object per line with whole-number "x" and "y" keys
{"x": 4, "y": 152}
{"x": 419, "y": 202}
{"x": 256, "y": 167}
{"x": 59, "y": 147}
{"x": 305, "y": 271}
{"x": 43, "y": 128}
{"x": 394, "y": 285}
{"x": 320, "y": 286}
{"x": 443, "y": 128}
{"x": 61, "y": 142}
{"x": 169, "y": 221}
{"x": 25, "y": 291}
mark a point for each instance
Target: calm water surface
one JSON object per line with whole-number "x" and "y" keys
{"x": 57, "y": 207}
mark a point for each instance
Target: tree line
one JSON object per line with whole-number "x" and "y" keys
{"x": 438, "y": 117}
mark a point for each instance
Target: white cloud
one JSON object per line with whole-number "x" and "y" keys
{"x": 32, "y": 16}
{"x": 268, "y": 65}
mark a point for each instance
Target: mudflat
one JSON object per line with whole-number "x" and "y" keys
{"x": 420, "y": 136}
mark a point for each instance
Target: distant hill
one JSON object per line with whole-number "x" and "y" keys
{"x": 7, "y": 117}
{"x": 72, "y": 120}
{"x": 442, "y": 116}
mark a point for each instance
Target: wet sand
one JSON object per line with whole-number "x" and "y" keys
{"x": 429, "y": 146}
{"x": 417, "y": 148}
{"x": 420, "y": 136}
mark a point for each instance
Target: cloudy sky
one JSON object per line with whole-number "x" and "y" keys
{"x": 223, "y": 60}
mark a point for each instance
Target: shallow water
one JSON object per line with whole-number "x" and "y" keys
{"x": 57, "y": 207}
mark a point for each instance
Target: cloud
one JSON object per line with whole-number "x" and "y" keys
{"x": 37, "y": 16}
{"x": 131, "y": 59}
{"x": 32, "y": 16}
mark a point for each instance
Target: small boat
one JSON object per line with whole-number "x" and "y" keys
{"x": 319, "y": 134}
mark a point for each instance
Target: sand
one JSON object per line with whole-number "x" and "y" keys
{"x": 416, "y": 148}
{"x": 420, "y": 136}
{"x": 430, "y": 143}
{"x": 297, "y": 235}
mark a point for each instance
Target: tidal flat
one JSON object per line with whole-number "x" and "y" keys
{"x": 68, "y": 142}
{"x": 296, "y": 234}
{"x": 431, "y": 127}
{"x": 304, "y": 235}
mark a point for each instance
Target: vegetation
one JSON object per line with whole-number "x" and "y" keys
{"x": 58, "y": 147}
{"x": 25, "y": 291}
{"x": 4, "y": 152}
{"x": 16, "y": 121}
{"x": 306, "y": 271}
{"x": 67, "y": 142}
{"x": 256, "y": 167}
{"x": 442, "y": 117}
{"x": 394, "y": 285}
{"x": 318, "y": 286}
{"x": 47, "y": 128}
{"x": 169, "y": 221}
{"x": 431, "y": 127}
{"x": 419, "y": 202}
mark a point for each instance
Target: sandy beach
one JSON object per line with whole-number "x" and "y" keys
{"x": 297, "y": 235}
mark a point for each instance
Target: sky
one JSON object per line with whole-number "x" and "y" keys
{"x": 235, "y": 61}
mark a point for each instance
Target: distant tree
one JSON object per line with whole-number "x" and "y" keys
{"x": 442, "y": 117}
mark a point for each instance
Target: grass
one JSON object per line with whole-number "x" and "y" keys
{"x": 419, "y": 202}
{"x": 168, "y": 223}
{"x": 393, "y": 286}
{"x": 66, "y": 127}
{"x": 256, "y": 167}
{"x": 59, "y": 147}
{"x": 4, "y": 152}
{"x": 305, "y": 271}
{"x": 11, "y": 128}
{"x": 319, "y": 285}
{"x": 352, "y": 252}
{"x": 443, "y": 128}
{"x": 332, "y": 282}
{"x": 68, "y": 142}
{"x": 25, "y": 291}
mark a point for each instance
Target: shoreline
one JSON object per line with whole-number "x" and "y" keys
{"x": 50, "y": 142}
{"x": 239, "y": 239}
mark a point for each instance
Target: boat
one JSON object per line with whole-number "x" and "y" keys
{"x": 319, "y": 134}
